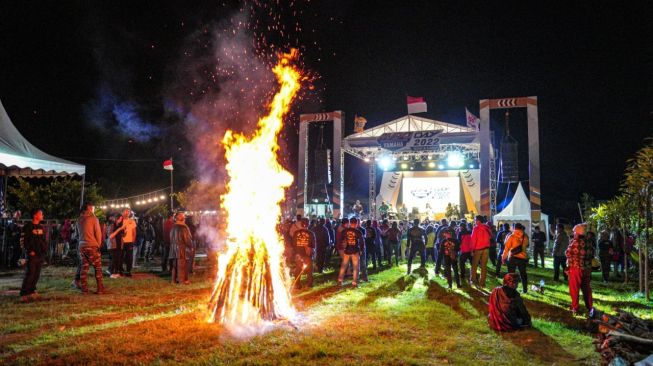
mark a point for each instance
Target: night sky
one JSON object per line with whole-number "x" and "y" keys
{"x": 112, "y": 85}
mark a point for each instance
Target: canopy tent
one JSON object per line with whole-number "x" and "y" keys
{"x": 519, "y": 210}
{"x": 19, "y": 158}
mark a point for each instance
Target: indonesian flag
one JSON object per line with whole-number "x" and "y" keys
{"x": 167, "y": 165}
{"x": 472, "y": 121}
{"x": 416, "y": 105}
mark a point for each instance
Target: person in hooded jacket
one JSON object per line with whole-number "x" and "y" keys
{"x": 515, "y": 253}
{"x": 90, "y": 239}
{"x": 507, "y": 311}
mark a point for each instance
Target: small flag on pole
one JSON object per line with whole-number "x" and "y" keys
{"x": 472, "y": 121}
{"x": 167, "y": 165}
{"x": 416, "y": 105}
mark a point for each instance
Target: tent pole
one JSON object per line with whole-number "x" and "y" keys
{"x": 81, "y": 199}
{"x": 4, "y": 261}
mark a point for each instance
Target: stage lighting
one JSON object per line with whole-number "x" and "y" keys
{"x": 385, "y": 163}
{"x": 440, "y": 166}
{"x": 406, "y": 157}
{"x": 366, "y": 159}
{"x": 431, "y": 164}
{"x": 455, "y": 160}
{"x": 404, "y": 166}
{"x": 471, "y": 166}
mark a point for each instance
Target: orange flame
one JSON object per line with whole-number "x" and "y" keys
{"x": 252, "y": 283}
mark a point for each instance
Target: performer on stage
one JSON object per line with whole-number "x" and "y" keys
{"x": 357, "y": 208}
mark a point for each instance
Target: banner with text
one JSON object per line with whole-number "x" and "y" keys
{"x": 410, "y": 141}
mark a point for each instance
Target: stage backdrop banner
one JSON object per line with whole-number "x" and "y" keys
{"x": 410, "y": 141}
{"x": 437, "y": 192}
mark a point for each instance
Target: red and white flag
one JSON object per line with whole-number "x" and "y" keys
{"x": 167, "y": 165}
{"x": 416, "y": 105}
{"x": 472, "y": 121}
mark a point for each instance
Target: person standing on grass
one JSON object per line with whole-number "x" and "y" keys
{"x": 415, "y": 243}
{"x": 165, "y": 252}
{"x": 352, "y": 243}
{"x": 128, "y": 230}
{"x": 322, "y": 242}
{"x": 481, "y": 236}
{"x": 304, "y": 242}
{"x": 394, "y": 243}
{"x": 431, "y": 251}
{"x": 33, "y": 241}
{"x": 180, "y": 245}
{"x": 90, "y": 239}
{"x": 438, "y": 239}
{"x": 515, "y": 254}
{"x": 501, "y": 240}
{"x": 492, "y": 252}
{"x": 605, "y": 254}
{"x": 579, "y": 267}
{"x": 539, "y": 240}
{"x": 466, "y": 249}
{"x": 449, "y": 247}
{"x": 560, "y": 243}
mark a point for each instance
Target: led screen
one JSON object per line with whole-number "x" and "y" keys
{"x": 438, "y": 192}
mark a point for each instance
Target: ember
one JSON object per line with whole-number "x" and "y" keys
{"x": 252, "y": 284}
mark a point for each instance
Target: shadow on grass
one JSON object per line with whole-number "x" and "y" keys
{"x": 403, "y": 283}
{"x": 539, "y": 345}
{"x": 454, "y": 300}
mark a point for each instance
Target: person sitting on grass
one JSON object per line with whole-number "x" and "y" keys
{"x": 507, "y": 311}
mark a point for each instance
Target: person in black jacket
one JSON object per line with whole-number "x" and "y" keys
{"x": 32, "y": 240}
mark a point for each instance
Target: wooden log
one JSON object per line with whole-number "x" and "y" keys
{"x": 618, "y": 336}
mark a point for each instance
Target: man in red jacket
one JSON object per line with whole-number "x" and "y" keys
{"x": 481, "y": 236}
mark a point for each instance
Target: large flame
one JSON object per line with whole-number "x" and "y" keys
{"x": 252, "y": 283}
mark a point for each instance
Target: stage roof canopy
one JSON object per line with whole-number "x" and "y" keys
{"x": 365, "y": 145}
{"x": 18, "y": 157}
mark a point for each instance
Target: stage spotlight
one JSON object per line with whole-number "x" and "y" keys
{"x": 404, "y": 166}
{"x": 394, "y": 158}
{"x": 385, "y": 163}
{"x": 431, "y": 164}
{"x": 471, "y": 166}
{"x": 440, "y": 166}
{"x": 455, "y": 160}
{"x": 406, "y": 157}
{"x": 366, "y": 159}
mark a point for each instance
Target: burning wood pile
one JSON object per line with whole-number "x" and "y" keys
{"x": 622, "y": 339}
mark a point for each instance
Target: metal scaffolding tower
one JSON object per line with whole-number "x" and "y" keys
{"x": 372, "y": 188}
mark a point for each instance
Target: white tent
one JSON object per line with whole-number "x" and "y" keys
{"x": 18, "y": 157}
{"x": 519, "y": 210}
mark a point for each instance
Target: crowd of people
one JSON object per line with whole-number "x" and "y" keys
{"x": 126, "y": 240}
{"x": 453, "y": 246}
{"x": 313, "y": 245}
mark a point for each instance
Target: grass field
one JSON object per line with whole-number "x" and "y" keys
{"x": 392, "y": 320}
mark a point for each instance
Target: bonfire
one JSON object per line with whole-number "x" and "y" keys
{"x": 252, "y": 283}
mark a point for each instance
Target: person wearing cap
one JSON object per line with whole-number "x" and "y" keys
{"x": 180, "y": 247}
{"x": 515, "y": 255}
{"x": 507, "y": 311}
{"x": 579, "y": 268}
{"x": 304, "y": 243}
{"x": 560, "y": 243}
